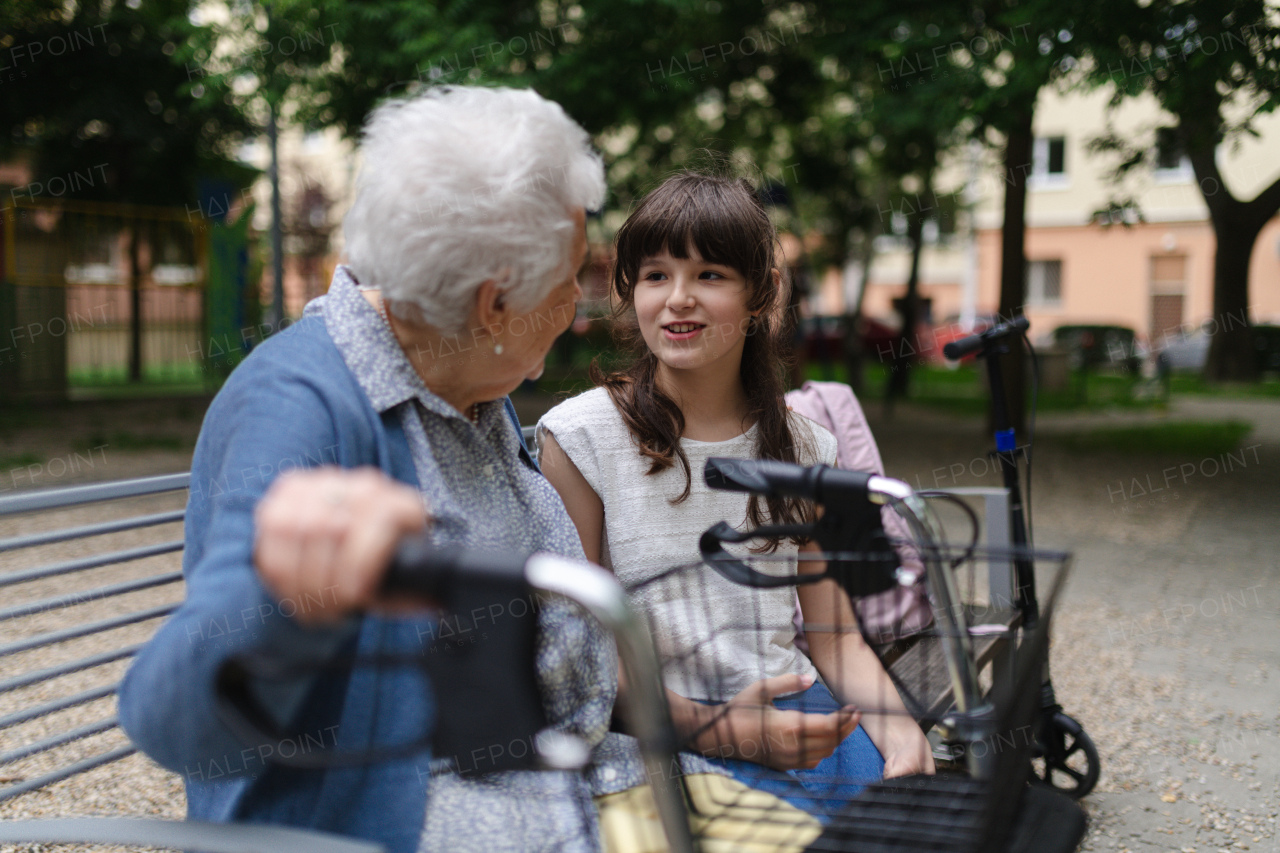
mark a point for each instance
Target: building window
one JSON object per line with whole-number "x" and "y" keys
{"x": 1171, "y": 159}
{"x": 1044, "y": 283}
{"x": 1049, "y": 162}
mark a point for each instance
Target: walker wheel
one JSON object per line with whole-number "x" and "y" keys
{"x": 1065, "y": 757}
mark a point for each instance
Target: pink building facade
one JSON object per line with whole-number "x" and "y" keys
{"x": 1154, "y": 275}
{"x": 1151, "y": 277}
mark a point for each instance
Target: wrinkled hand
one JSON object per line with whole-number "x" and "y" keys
{"x": 750, "y": 728}
{"x": 325, "y": 535}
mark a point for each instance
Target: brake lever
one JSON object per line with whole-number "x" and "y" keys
{"x": 875, "y": 573}
{"x": 711, "y": 545}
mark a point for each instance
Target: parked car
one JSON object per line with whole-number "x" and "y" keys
{"x": 1094, "y": 346}
{"x": 1189, "y": 352}
{"x": 824, "y": 338}
{"x": 1186, "y": 351}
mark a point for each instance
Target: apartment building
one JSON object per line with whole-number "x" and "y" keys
{"x": 1151, "y": 270}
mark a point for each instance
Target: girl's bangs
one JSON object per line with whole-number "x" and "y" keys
{"x": 728, "y": 228}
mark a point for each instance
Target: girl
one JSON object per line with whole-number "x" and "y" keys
{"x": 695, "y": 262}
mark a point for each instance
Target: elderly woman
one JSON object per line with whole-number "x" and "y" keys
{"x": 382, "y": 410}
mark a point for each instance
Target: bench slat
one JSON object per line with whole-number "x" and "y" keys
{"x": 65, "y": 496}
{"x": 57, "y": 705}
{"x": 185, "y": 834}
{"x": 36, "y": 676}
{"x": 918, "y": 665}
{"x": 60, "y": 739}
{"x": 61, "y": 773}
{"x": 108, "y": 591}
{"x": 65, "y": 568}
{"x": 50, "y": 637}
{"x": 88, "y": 530}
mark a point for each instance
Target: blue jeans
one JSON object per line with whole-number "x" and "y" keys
{"x": 824, "y": 790}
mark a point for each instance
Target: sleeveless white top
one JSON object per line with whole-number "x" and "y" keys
{"x": 714, "y": 637}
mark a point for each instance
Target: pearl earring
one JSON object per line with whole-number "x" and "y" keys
{"x": 497, "y": 349}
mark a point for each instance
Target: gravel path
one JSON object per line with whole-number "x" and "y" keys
{"x": 1165, "y": 645}
{"x": 1165, "y": 642}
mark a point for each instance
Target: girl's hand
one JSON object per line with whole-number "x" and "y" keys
{"x": 748, "y": 727}
{"x": 908, "y": 753}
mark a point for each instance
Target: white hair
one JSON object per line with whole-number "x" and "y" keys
{"x": 465, "y": 184}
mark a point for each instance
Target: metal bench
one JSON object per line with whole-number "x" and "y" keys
{"x": 34, "y": 626}
{"x": 608, "y": 604}
{"x": 66, "y": 619}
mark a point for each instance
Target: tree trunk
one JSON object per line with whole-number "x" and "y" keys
{"x": 1236, "y": 225}
{"x": 1231, "y": 354}
{"x": 853, "y": 319}
{"x": 277, "y": 224}
{"x": 1013, "y": 260}
{"x": 908, "y": 343}
{"x": 135, "y": 302}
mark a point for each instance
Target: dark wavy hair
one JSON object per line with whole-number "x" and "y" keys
{"x": 723, "y": 221}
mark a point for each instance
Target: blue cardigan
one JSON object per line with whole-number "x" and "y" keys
{"x": 292, "y": 403}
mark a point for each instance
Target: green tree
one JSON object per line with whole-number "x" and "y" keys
{"x": 115, "y": 93}
{"x": 1214, "y": 66}
{"x": 326, "y": 63}
{"x": 933, "y": 76}
{"x": 628, "y": 72}
{"x": 914, "y": 131}
{"x": 104, "y": 92}
{"x": 992, "y": 59}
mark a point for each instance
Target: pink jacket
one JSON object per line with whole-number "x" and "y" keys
{"x": 898, "y": 612}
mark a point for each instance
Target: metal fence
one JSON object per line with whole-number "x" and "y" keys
{"x": 94, "y": 293}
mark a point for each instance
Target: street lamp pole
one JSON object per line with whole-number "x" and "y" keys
{"x": 277, "y": 228}
{"x": 277, "y": 231}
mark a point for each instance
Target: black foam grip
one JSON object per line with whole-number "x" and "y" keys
{"x": 972, "y": 343}
{"x": 422, "y": 568}
{"x": 762, "y": 477}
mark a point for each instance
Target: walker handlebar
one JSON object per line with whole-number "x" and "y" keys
{"x": 819, "y": 483}
{"x": 496, "y": 700}
{"x": 419, "y": 567}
